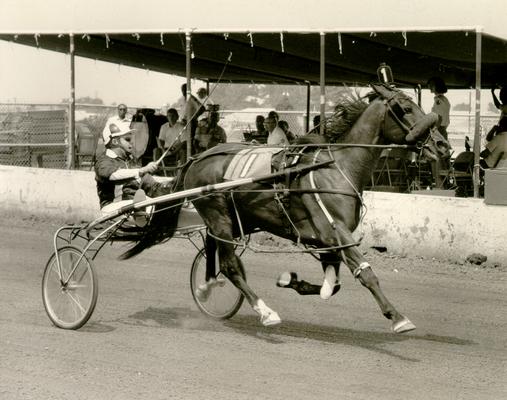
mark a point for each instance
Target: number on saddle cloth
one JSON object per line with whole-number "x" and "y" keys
{"x": 251, "y": 162}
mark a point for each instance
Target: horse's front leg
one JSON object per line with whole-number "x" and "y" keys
{"x": 362, "y": 270}
{"x": 331, "y": 267}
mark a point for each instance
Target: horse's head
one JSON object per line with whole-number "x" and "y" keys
{"x": 406, "y": 123}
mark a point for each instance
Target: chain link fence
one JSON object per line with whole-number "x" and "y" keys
{"x": 36, "y": 135}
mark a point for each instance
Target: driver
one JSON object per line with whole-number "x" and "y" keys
{"x": 117, "y": 182}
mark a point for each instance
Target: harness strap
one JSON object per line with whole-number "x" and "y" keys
{"x": 317, "y": 196}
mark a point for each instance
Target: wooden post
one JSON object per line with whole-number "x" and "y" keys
{"x": 71, "y": 153}
{"x": 188, "y": 55}
{"x": 322, "y": 81}
{"x": 477, "y": 135}
{"x": 308, "y": 95}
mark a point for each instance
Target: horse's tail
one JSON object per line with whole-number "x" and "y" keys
{"x": 163, "y": 224}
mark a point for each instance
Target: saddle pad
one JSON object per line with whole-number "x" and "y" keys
{"x": 251, "y": 162}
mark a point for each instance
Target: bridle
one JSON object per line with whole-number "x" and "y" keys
{"x": 394, "y": 106}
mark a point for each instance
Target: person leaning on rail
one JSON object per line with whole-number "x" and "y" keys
{"x": 117, "y": 179}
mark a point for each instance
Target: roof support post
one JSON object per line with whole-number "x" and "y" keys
{"x": 71, "y": 151}
{"x": 188, "y": 50}
{"x": 477, "y": 135}
{"x": 322, "y": 81}
{"x": 308, "y": 95}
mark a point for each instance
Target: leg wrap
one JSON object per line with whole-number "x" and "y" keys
{"x": 359, "y": 269}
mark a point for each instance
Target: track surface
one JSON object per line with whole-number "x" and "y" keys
{"x": 147, "y": 339}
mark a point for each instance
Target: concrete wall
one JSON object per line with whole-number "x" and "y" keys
{"x": 436, "y": 226}
{"x": 70, "y": 195}
{"x": 432, "y": 226}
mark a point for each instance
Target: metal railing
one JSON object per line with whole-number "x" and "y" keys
{"x": 37, "y": 134}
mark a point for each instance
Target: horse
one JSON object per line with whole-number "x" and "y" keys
{"x": 323, "y": 207}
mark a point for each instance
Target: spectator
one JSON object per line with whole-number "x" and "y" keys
{"x": 173, "y": 136}
{"x": 274, "y": 114}
{"x": 209, "y": 133}
{"x": 154, "y": 123}
{"x": 441, "y": 105}
{"x": 495, "y": 153}
{"x": 259, "y": 125}
{"x": 276, "y": 135}
{"x": 316, "y": 123}
{"x": 468, "y": 146}
{"x": 284, "y": 125}
{"x": 192, "y": 110}
{"x": 501, "y": 104}
{"x": 202, "y": 93}
{"x": 122, "y": 119}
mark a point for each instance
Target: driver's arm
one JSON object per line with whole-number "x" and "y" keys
{"x": 125, "y": 173}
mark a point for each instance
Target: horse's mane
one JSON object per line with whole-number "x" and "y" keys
{"x": 350, "y": 106}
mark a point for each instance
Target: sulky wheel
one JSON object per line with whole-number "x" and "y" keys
{"x": 218, "y": 298}
{"x": 69, "y": 298}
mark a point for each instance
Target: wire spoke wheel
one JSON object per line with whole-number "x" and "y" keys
{"x": 69, "y": 297}
{"x": 222, "y": 299}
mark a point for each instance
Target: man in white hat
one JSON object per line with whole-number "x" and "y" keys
{"x": 116, "y": 180}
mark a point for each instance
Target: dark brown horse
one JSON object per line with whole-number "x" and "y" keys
{"x": 324, "y": 205}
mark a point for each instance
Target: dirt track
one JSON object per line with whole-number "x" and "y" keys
{"x": 147, "y": 339}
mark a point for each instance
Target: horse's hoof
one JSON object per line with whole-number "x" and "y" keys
{"x": 403, "y": 325}
{"x": 286, "y": 278}
{"x": 271, "y": 319}
{"x": 329, "y": 284}
{"x": 327, "y": 290}
{"x": 202, "y": 293}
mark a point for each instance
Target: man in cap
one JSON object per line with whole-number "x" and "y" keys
{"x": 121, "y": 119}
{"x": 116, "y": 180}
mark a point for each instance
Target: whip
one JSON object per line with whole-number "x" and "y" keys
{"x": 166, "y": 152}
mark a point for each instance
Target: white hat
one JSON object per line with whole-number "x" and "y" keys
{"x": 117, "y": 130}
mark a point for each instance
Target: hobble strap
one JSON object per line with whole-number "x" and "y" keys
{"x": 359, "y": 269}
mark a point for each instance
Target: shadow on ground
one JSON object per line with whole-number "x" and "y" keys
{"x": 249, "y": 325}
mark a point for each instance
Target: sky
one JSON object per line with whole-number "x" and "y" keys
{"x": 35, "y": 75}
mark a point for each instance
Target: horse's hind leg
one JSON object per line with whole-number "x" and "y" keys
{"x": 214, "y": 213}
{"x": 362, "y": 270}
{"x": 229, "y": 266}
{"x": 203, "y": 291}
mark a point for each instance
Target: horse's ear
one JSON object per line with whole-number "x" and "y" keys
{"x": 381, "y": 89}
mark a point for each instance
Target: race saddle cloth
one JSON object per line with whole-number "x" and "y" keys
{"x": 251, "y": 162}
